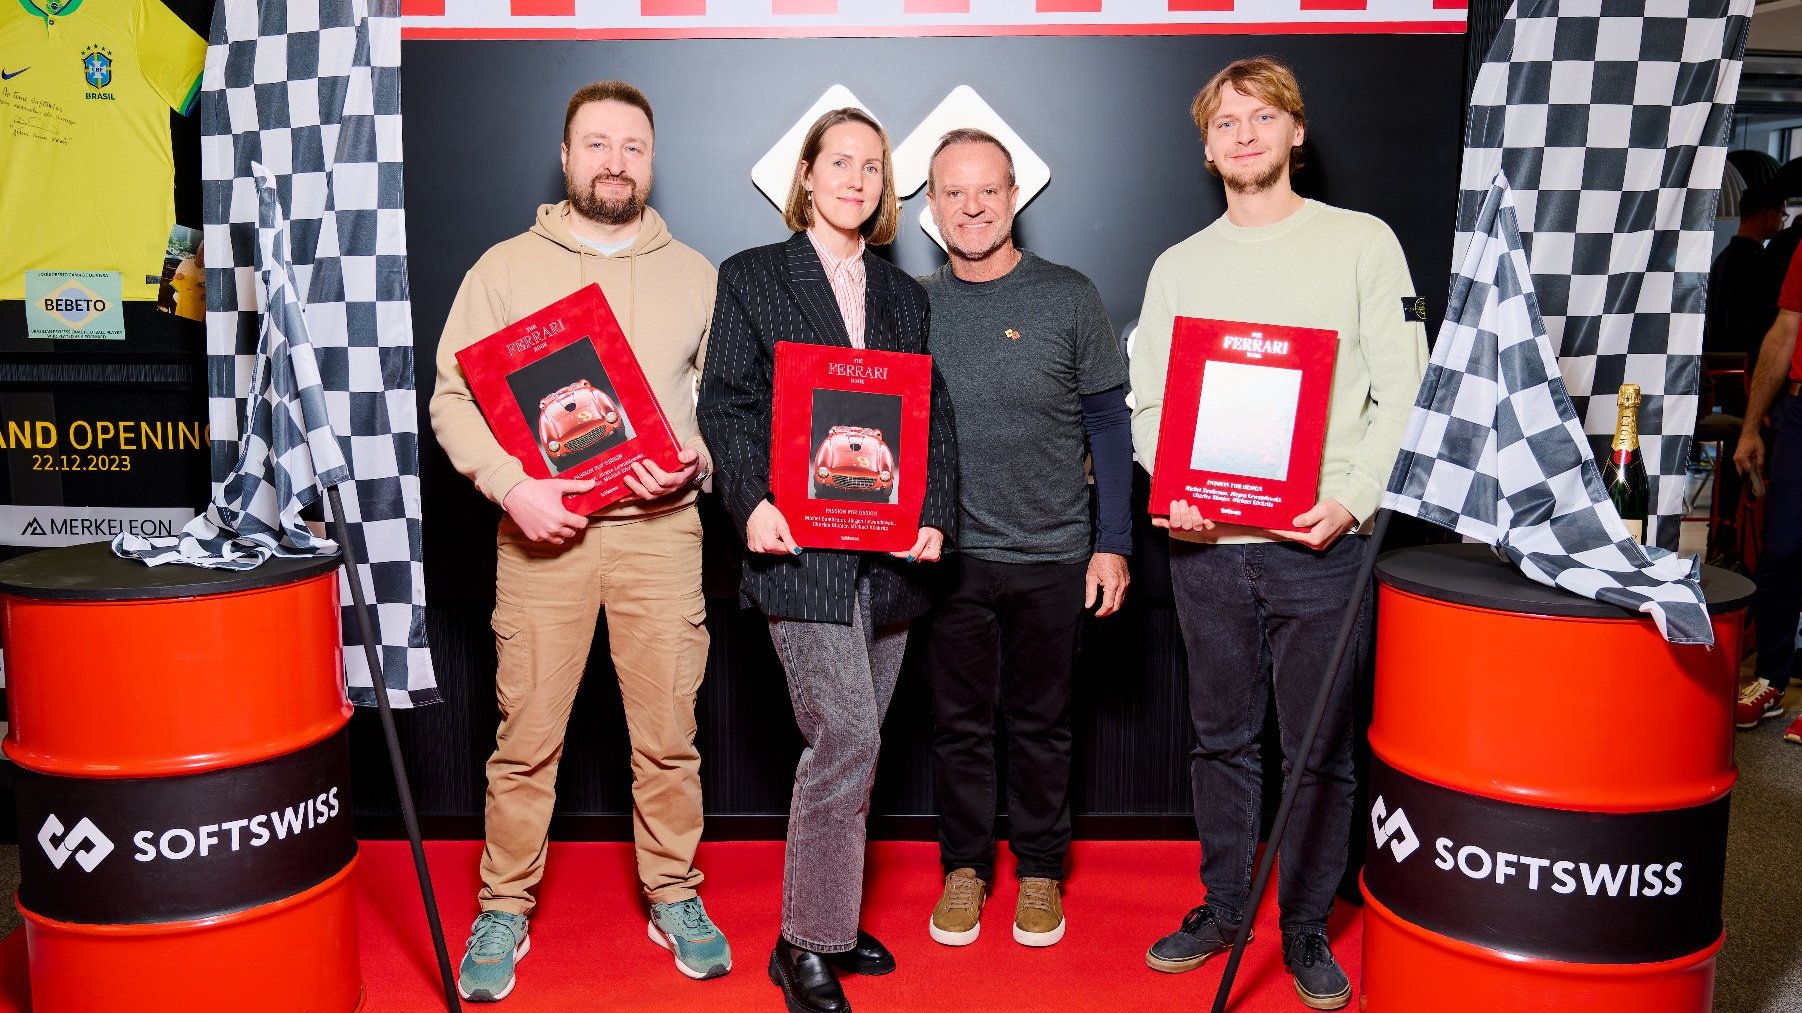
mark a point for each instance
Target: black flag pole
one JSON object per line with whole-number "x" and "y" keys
{"x": 366, "y": 625}
{"x": 1306, "y": 750}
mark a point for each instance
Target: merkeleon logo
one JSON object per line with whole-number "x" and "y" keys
{"x": 84, "y": 832}
{"x": 33, "y": 527}
{"x": 1386, "y": 826}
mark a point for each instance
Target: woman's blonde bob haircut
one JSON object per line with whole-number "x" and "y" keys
{"x": 797, "y": 213}
{"x": 1264, "y": 78}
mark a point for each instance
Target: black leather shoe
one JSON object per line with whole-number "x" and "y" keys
{"x": 869, "y": 956}
{"x": 808, "y": 983}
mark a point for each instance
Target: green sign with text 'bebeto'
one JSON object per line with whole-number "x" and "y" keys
{"x": 74, "y": 306}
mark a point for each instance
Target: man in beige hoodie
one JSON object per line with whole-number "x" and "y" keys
{"x": 640, "y": 558}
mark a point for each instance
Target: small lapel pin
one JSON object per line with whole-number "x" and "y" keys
{"x": 1012, "y": 335}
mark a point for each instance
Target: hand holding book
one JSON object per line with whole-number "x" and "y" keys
{"x": 926, "y": 548}
{"x": 647, "y": 481}
{"x": 536, "y": 505}
{"x": 766, "y": 530}
{"x": 1321, "y": 525}
{"x": 1318, "y": 527}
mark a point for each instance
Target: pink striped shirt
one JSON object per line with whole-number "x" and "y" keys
{"x": 848, "y": 281}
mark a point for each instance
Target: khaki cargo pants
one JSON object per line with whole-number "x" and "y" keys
{"x": 647, "y": 574}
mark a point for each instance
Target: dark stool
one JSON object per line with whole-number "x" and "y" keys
{"x": 1722, "y": 430}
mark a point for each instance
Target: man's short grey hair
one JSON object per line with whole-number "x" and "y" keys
{"x": 968, "y": 135}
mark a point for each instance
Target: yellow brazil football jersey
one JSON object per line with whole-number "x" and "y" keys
{"x": 87, "y": 181}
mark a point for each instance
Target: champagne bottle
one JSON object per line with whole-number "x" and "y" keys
{"x": 1625, "y": 474}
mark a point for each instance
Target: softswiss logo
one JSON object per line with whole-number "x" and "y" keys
{"x": 60, "y": 846}
{"x": 1392, "y": 830}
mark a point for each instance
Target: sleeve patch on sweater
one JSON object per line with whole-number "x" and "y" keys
{"x": 1414, "y": 309}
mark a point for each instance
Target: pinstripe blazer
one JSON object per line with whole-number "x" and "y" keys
{"x": 780, "y": 293}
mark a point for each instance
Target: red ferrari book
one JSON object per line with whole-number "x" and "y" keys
{"x": 564, "y": 394}
{"x": 848, "y": 441}
{"x": 1244, "y": 421}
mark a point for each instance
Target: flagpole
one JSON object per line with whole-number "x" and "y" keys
{"x": 1321, "y": 700}
{"x": 366, "y": 625}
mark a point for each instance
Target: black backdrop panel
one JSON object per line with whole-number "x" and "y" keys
{"x": 1109, "y": 115}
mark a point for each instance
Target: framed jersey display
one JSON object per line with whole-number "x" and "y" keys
{"x": 563, "y": 393}
{"x": 848, "y": 445}
{"x": 87, "y": 177}
{"x": 1244, "y": 422}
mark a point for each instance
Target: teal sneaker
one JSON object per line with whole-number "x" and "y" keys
{"x": 684, "y": 929}
{"x": 497, "y": 941}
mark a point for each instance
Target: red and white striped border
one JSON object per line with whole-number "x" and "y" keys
{"x": 767, "y": 19}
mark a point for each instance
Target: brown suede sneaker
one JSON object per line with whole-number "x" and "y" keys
{"x": 1039, "y": 913}
{"x": 957, "y": 920}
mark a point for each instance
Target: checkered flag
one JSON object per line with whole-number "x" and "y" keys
{"x": 1494, "y": 450}
{"x": 1610, "y": 119}
{"x": 310, "y": 89}
{"x": 288, "y": 454}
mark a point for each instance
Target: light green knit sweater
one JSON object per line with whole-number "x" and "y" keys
{"x": 1321, "y": 267}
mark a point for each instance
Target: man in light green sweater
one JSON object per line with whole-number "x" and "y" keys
{"x": 1244, "y": 595}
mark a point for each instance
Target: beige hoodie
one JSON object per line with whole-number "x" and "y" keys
{"x": 661, "y": 291}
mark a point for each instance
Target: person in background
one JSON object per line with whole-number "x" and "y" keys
{"x": 1741, "y": 303}
{"x": 1776, "y": 399}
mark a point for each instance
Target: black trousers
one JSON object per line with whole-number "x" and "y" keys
{"x": 1253, "y": 615}
{"x": 1007, "y": 633}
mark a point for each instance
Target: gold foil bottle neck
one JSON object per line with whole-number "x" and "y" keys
{"x": 1626, "y": 426}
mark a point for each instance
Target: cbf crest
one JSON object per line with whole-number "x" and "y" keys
{"x": 97, "y": 66}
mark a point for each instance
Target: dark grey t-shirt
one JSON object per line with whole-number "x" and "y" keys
{"x": 1018, "y": 354}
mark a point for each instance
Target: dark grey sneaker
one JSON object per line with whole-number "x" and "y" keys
{"x": 1319, "y": 981}
{"x": 1202, "y": 935}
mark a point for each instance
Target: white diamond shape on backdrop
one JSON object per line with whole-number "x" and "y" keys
{"x": 776, "y": 169}
{"x": 964, "y": 108}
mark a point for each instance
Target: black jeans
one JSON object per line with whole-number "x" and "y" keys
{"x": 1778, "y": 600}
{"x": 1012, "y": 630}
{"x": 1251, "y": 614}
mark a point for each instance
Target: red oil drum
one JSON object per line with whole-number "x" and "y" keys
{"x": 182, "y": 772}
{"x": 1549, "y": 790}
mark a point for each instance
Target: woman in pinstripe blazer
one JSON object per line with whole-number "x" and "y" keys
{"x": 838, "y": 619}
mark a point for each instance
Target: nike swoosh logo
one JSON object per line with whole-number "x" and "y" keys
{"x": 4, "y": 76}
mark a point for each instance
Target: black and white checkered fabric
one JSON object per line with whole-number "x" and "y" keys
{"x": 1495, "y": 451}
{"x": 288, "y": 454}
{"x": 310, "y": 89}
{"x": 1610, "y": 118}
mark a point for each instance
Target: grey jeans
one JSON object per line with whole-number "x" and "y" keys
{"x": 840, "y": 680}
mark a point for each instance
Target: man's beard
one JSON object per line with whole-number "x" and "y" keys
{"x": 1255, "y": 183}
{"x": 620, "y": 211}
{"x": 1003, "y": 233}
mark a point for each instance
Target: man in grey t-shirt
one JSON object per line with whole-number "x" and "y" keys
{"x": 1036, "y": 379}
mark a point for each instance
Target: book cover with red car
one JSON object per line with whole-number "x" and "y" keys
{"x": 564, "y": 394}
{"x": 1244, "y": 421}
{"x": 848, "y": 439}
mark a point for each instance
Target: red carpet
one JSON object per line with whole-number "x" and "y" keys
{"x": 589, "y": 950}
